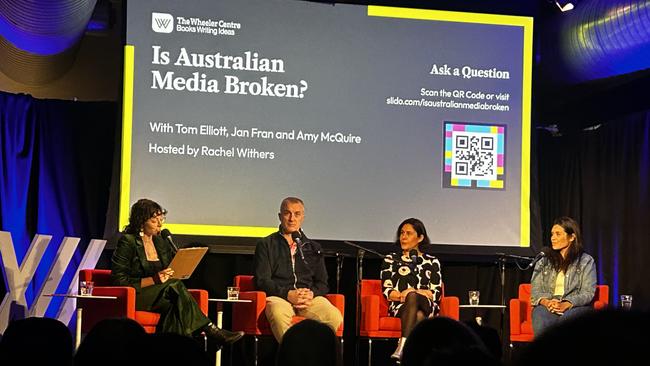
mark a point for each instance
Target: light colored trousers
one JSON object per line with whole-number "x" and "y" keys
{"x": 280, "y": 311}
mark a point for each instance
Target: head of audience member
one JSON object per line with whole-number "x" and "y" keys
{"x": 566, "y": 242}
{"x": 292, "y": 214}
{"x": 110, "y": 342}
{"x": 169, "y": 349}
{"x": 36, "y": 341}
{"x": 489, "y": 336}
{"x": 308, "y": 342}
{"x": 607, "y": 337}
{"x": 443, "y": 341}
{"x": 146, "y": 217}
{"x": 411, "y": 234}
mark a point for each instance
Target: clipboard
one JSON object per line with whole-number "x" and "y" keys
{"x": 185, "y": 262}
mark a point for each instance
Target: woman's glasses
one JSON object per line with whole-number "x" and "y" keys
{"x": 160, "y": 217}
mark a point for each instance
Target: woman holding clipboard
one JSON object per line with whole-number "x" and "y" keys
{"x": 141, "y": 260}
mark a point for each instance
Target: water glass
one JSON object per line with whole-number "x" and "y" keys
{"x": 626, "y": 302}
{"x": 474, "y": 297}
{"x": 233, "y": 293}
{"x": 86, "y": 288}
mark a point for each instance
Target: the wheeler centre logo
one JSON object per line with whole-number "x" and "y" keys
{"x": 162, "y": 22}
{"x": 18, "y": 277}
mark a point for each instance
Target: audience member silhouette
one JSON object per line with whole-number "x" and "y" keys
{"x": 606, "y": 337}
{"x": 168, "y": 349}
{"x": 443, "y": 341}
{"x": 36, "y": 341}
{"x": 111, "y": 342}
{"x": 489, "y": 336}
{"x": 308, "y": 343}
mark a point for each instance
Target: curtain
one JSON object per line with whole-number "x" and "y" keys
{"x": 599, "y": 176}
{"x": 55, "y": 172}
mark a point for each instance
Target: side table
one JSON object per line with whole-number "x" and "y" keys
{"x": 220, "y": 303}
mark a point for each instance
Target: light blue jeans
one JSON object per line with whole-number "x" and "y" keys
{"x": 543, "y": 319}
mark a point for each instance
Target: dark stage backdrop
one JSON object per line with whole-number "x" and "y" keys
{"x": 55, "y": 170}
{"x": 600, "y": 177}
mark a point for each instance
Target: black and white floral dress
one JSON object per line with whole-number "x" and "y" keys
{"x": 402, "y": 274}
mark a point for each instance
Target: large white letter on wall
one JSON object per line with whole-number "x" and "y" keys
{"x": 17, "y": 277}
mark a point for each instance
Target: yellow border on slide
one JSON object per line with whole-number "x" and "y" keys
{"x": 221, "y": 230}
{"x": 527, "y": 24}
{"x": 125, "y": 181}
{"x": 127, "y": 125}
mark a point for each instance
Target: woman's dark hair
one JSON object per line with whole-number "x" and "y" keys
{"x": 570, "y": 227}
{"x": 419, "y": 228}
{"x": 142, "y": 211}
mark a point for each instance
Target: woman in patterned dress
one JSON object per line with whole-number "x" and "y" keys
{"x": 413, "y": 288}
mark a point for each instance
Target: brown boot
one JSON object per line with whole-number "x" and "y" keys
{"x": 222, "y": 336}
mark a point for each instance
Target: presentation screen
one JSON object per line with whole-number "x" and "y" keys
{"x": 370, "y": 114}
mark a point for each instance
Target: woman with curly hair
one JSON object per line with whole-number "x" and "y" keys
{"x": 411, "y": 280}
{"x": 141, "y": 260}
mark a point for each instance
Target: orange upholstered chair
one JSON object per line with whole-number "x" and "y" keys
{"x": 95, "y": 310}
{"x": 250, "y": 317}
{"x": 521, "y": 319}
{"x": 375, "y": 323}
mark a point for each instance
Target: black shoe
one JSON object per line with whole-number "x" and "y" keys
{"x": 222, "y": 336}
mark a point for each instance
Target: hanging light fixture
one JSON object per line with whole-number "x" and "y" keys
{"x": 39, "y": 38}
{"x": 566, "y": 7}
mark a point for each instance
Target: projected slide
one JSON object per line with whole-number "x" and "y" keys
{"x": 370, "y": 114}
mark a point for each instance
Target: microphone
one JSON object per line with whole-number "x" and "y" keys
{"x": 297, "y": 238}
{"x": 413, "y": 254}
{"x": 542, "y": 253}
{"x": 167, "y": 235}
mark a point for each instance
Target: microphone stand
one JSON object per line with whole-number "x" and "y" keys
{"x": 364, "y": 249}
{"x": 502, "y": 265}
{"x": 503, "y": 257}
{"x": 361, "y": 252}
{"x": 339, "y": 268}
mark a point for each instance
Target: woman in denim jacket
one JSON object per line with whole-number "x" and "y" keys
{"x": 563, "y": 282}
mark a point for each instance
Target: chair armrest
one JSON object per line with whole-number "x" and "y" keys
{"x": 201, "y": 298}
{"x": 600, "y": 305}
{"x": 515, "y": 316}
{"x": 338, "y": 300}
{"x": 95, "y": 310}
{"x": 450, "y": 307}
{"x": 370, "y": 313}
{"x": 245, "y": 315}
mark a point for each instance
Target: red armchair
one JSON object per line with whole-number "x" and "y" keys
{"x": 521, "y": 320}
{"x": 375, "y": 321}
{"x": 250, "y": 317}
{"x": 95, "y": 310}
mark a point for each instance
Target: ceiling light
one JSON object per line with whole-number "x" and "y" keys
{"x": 566, "y": 7}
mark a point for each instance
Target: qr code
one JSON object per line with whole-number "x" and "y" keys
{"x": 474, "y": 156}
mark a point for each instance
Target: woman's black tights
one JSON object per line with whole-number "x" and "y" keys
{"x": 415, "y": 308}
